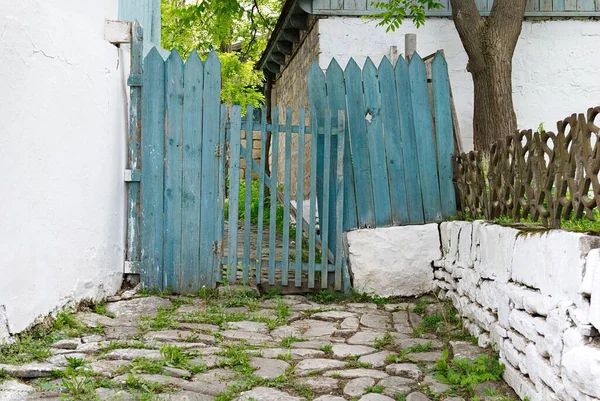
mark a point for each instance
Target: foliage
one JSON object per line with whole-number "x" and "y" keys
{"x": 466, "y": 372}
{"x": 237, "y": 30}
{"x": 395, "y": 11}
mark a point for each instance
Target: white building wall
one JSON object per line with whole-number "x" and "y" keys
{"x": 555, "y": 64}
{"x": 63, "y": 129}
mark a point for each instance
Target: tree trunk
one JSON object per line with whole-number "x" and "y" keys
{"x": 490, "y": 44}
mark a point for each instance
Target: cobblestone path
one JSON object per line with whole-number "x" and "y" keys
{"x": 236, "y": 347}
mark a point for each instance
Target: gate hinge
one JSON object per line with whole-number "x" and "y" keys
{"x": 218, "y": 150}
{"x": 216, "y": 247}
{"x": 135, "y": 80}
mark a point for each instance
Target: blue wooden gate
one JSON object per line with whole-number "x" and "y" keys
{"x": 399, "y": 140}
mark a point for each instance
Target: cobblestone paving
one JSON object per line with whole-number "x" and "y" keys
{"x": 241, "y": 348}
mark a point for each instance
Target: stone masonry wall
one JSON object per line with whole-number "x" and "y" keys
{"x": 291, "y": 90}
{"x": 533, "y": 296}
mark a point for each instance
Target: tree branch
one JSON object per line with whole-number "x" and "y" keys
{"x": 506, "y": 19}
{"x": 469, "y": 25}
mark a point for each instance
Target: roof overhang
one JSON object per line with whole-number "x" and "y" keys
{"x": 293, "y": 19}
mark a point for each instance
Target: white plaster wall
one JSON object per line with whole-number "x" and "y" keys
{"x": 62, "y": 157}
{"x": 555, "y": 66}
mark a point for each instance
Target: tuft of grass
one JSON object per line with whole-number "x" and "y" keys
{"x": 25, "y": 349}
{"x": 287, "y": 342}
{"x": 100, "y": 308}
{"x": 468, "y": 373}
{"x": 378, "y": 389}
{"x": 386, "y": 341}
{"x": 327, "y": 348}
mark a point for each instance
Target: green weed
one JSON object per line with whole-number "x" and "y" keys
{"x": 468, "y": 373}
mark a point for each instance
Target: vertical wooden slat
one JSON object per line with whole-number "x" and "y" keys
{"x": 370, "y": 5}
{"x": 355, "y": 4}
{"x": 192, "y": 163}
{"x": 153, "y": 150}
{"x": 533, "y": 5}
{"x": 586, "y": 5}
{"x": 300, "y": 198}
{"x": 287, "y": 186}
{"x": 482, "y": 5}
{"x": 273, "y": 194}
{"x": 222, "y": 182}
{"x": 336, "y": 98}
{"x": 545, "y": 5}
{"x": 558, "y": 5}
{"x": 570, "y": 5}
{"x": 211, "y": 152}
{"x": 147, "y": 12}
{"x": 173, "y": 172}
{"x": 313, "y": 202}
{"x": 376, "y": 145}
{"x": 425, "y": 140}
{"x": 337, "y": 4}
{"x": 324, "y": 219}
{"x": 393, "y": 143}
{"x": 261, "y": 193}
{"x": 444, "y": 134}
{"x": 321, "y": 4}
{"x": 134, "y": 151}
{"x": 248, "y": 201}
{"x": 333, "y": 97}
{"x": 360, "y": 152}
{"x": 414, "y": 200}
{"x": 339, "y": 250}
{"x": 234, "y": 190}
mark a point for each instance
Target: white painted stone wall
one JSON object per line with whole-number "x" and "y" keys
{"x": 552, "y": 63}
{"x": 535, "y": 297}
{"x": 62, "y": 157}
{"x": 394, "y": 261}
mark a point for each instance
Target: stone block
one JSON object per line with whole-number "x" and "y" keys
{"x": 463, "y": 257}
{"x": 521, "y": 384}
{"x": 5, "y": 337}
{"x": 383, "y": 265}
{"x": 445, "y": 228}
{"x": 540, "y": 369}
{"x": 496, "y": 245}
{"x": 593, "y": 271}
{"x": 581, "y": 366}
{"x": 592, "y": 265}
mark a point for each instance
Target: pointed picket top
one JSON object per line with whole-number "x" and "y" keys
{"x": 369, "y": 65}
{"x": 385, "y": 64}
{"x": 416, "y": 61}
{"x": 317, "y": 93}
{"x": 334, "y": 67}
{"x": 352, "y": 66}
{"x": 194, "y": 59}
{"x": 439, "y": 61}
{"x": 153, "y": 56}
{"x": 175, "y": 57}
{"x": 212, "y": 61}
{"x": 315, "y": 70}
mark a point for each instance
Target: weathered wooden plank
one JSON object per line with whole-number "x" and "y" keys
{"x": 134, "y": 150}
{"x": 597, "y": 5}
{"x": 371, "y": 7}
{"x": 248, "y": 195}
{"x": 234, "y": 189}
{"x": 147, "y": 12}
{"x": 312, "y": 238}
{"x": 355, "y": 4}
{"x": 482, "y": 5}
{"x": 444, "y": 134}
{"x": 533, "y": 5}
{"x": 117, "y": 32}
{"x": 337, "y": 4}
{"x": 414, "y": 200}
{"x": 570, "y": 5}
{"x": 336, "y": 98}
{"x": 273, "y": 199}
{"x": 339, "y": 200}
{"x": 193, "y": 82}
{"x": 546, "y": 5}
{"x": 287, "y": 186}
{"x": 222, "y": 183}
{"x": 324, "y": 216}
{"x": 393, "y": 143}
{"x": 261, "y": 193}
{"x": 173, "y": 171}
{"x": 300, "y": 199}
{"x": 360, "y": 153}
{"x": 586, "y": 5}
{"x": 322, "y": 4}
{"x": 376, "y": 145}
{"x": 153, "y": 150}
{"x": 211, "y": 152}
{"x": 558, "y": 5}
{"x": 425, "y": 140}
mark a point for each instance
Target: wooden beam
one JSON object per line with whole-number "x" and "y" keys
{"x": 273, "y": 67}
{"x": 285, "y": 47}
{"x": 293, "y": 35}
{"x": 117, "y": 32}
{"x": 299, "y": 21}
{"x": 277, "y": 57}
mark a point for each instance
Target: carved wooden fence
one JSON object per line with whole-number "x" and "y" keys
{"x": 539, "y": 175}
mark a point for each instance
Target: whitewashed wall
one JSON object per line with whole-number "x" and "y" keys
{"x": 535, "y": 298}
{"x": 555, "y": 68}
{"x": 62, "y": 156}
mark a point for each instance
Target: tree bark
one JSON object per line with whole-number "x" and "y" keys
{"x": 490, "y": 44}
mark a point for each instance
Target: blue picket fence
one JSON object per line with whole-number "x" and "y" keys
{"x": 382, "y": 157}
{"x": 399, "y": 140}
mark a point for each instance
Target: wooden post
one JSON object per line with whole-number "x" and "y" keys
{"x": 410, "y": 45}
{"x": 393, "y": 54}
